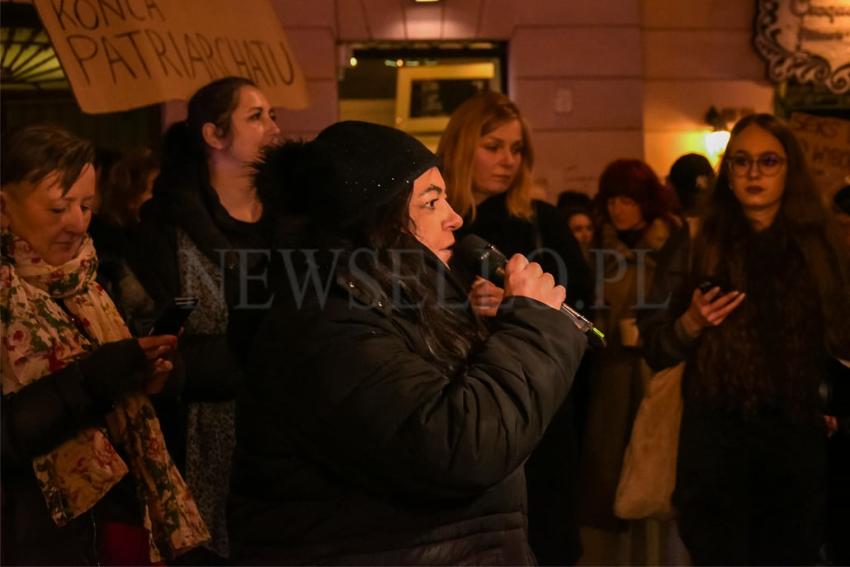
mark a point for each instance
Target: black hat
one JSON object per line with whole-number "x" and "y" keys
{"x": 348, "y": 169}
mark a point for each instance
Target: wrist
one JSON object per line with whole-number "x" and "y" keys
{"x": 690, "y": 325}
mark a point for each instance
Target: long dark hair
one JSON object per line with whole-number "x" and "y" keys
{"x": 450, "y": 331}
{"x": 819, "y": 291}
{"x": 126, "y": 183}
{"x": 213, "y": 103}
{"x": 801, "y": 213}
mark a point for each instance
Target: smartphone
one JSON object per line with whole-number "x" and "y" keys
{"x": 709, "y": 284}
{"x": 171, "y": 320}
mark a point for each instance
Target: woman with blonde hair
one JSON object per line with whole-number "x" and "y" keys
{"x": 488, "y": 164}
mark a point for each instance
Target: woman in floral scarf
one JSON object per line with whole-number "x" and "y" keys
{"x": 75, "y": 415}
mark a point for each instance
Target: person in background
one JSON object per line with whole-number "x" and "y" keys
{"x": 86, "y": 478}
{"x": 205, "y": 234}
{"x": 576, "y": 207}
{"x": 488, "y": 163}
{"x": 757, "y": 314}
{"x": 381, "y": 423}
{"x": 692, "y": 177}
{"x": 104, "y": 159}
{"x": 636, "y": 219}
{"x": 580, "y": 223}
{"x": 841, "y": 210}
{"x": 128, "y": 185}
{"x": 569, "y": 200}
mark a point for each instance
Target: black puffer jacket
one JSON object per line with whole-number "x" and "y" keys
{"x": 552, "y": 469}
{"x": 355, "y": 449}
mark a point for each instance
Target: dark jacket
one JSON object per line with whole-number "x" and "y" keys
{"x": 355, "y": 449}
{"x": 616, "y": 384}
{"x": 762, "y": 471}
{"x": 37, "y": 419}
{"x": 211, "y": 364}
{"x": 552, "y": 469}
{"x": 189, "y": 245}
{"x": 116, "y": 277}
{"x": 514, "y": 235}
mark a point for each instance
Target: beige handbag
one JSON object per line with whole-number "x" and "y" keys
{"x": 648, "y": 476}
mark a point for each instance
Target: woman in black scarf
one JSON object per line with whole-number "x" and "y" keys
{"x": 757, "y": 335}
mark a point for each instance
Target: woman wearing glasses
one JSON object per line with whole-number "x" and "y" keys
{"x": 757, "y": 310}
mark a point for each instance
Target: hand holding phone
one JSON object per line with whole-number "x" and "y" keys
{"x": 708, "y": 284}
{"x": 709, "y": 308}
{"x": 158, "y": 350}
{"x": 172, "y": 319}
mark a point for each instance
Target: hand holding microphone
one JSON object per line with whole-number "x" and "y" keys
{"x": 527, "y": 279}
{"x": 476, "y": 255}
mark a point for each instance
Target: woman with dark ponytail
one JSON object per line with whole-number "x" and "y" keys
{"x": 205, "y": 234}
{"x": 761, "y": 303}
{"x": 381, "y": 423}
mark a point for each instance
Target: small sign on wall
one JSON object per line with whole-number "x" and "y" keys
{"x": 826, "y": 145}
{"x": 806, "y": 39}
{"x": 124, "y": 54}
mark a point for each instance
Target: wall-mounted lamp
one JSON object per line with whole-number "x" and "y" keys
{"x": 721, "y": 121}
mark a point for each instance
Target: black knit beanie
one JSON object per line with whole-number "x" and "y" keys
{"x": 349, "y": 169}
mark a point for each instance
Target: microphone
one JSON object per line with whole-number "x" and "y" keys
{"x": 479, "y": 256}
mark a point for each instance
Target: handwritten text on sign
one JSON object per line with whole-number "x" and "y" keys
{"x": 826, "y": 145}
{"x": 121, "y": 54}
{"x": 807, "y": 40}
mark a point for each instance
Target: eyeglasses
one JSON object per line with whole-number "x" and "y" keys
{"x": 768, "y": 164}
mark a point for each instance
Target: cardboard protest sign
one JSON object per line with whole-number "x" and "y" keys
{"x": 123, "y": 54}
{"x": 826, "y": 145}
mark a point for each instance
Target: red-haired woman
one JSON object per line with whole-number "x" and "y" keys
{"x": 636, "y": 220}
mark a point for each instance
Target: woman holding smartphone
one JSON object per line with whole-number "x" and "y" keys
{"x": 86, "y": 477}
{"x": 205, "y": 234}
{"x": 751, "y": 465}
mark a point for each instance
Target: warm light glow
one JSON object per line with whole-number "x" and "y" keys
{"x": 715, "y": 144}
{"x": 27, "y": 61}
{"x": 399, "y": 63}
{"x": 353, "y": 61}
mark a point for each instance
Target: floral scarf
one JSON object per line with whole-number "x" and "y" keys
{"x": 39, "y": 337}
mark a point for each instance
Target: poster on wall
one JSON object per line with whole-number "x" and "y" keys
{"x": 808, "y": 40}
{"x": 826, "y": 145}
{"x": 124, "y": 54}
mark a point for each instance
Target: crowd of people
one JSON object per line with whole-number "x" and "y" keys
{"x": 348, "y": 390}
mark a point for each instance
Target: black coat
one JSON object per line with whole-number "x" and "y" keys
{"x": 210, "y": 366}
{"x": 763, "y": 473}
{"x": 514, "y": 235}
{"x": 353, "y": 448}
{"x": 552, "y": 469}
